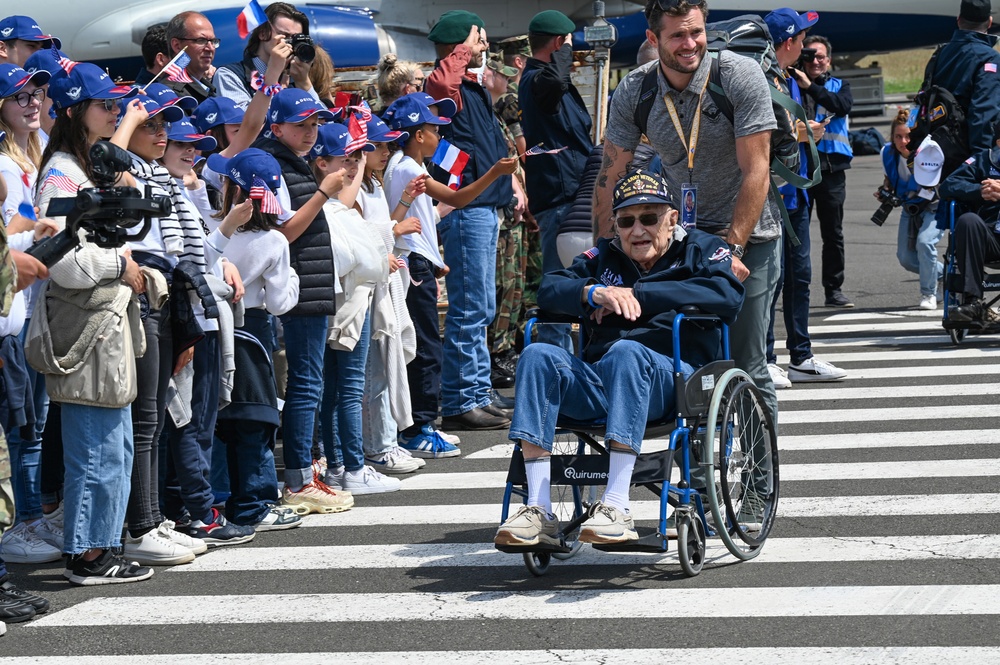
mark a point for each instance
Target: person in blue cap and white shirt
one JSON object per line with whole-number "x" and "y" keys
{"x": 626, "y": 375}
{"x": 44, "y": 59}
{"x": 220, "y": 118}
{"x": 20, "y": 36}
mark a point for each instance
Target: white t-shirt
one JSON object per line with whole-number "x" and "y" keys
{"x": 20, "y": 189}
{"x": 424, "y": 243}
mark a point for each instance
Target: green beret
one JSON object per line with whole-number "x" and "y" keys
{"x": 496, "y": 64}
{"x": 551, "y": 22}
{"x": 453, "y": 27}
{"x": 515, "y": 46}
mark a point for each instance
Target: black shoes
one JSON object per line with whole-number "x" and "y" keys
{"x": 503, "y": 367}
{"x": 476, "y": 419}
{"x": 838, "y": 299}
{"x": 973, "y": 311}
{"x": 17, "y": 605}
{"x": 108, "y": 568}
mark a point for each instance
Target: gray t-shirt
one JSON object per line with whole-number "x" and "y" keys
{"x": 716, "y": 171}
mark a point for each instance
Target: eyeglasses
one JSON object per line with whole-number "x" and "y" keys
{"x": 154, "y": 128}
{"x": 647, "y": 220}
{"x": 667, "y": 5}
{"x": 24, "y": 98}
{"x": 201, "y": 42}
{"x": 108, "y": 104}
{"x": 821, "y": 58}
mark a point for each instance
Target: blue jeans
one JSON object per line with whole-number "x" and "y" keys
{"x": 97, "y": 452}
{"x": 548, "y": 226}
{"x": 470, "y": 250}
{"x": 923, "y": 258}
{"x": 26, "y": 455}
{"x": 340, "y": 423}
{"x": 634, "y": 381}
{"x": 796, "y": 275}
{"x": 305, "y": 342}
{"x": 250, "y": 458}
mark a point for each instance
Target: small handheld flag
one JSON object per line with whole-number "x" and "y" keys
{"x": 358, "y": 127}
{"x": 248, "y": 19}
{"x": 450, "y": 158}
{"x": 540, "y": 150}
{"x": 177, "y": 68}
{"x": 261, "y": 192}
{"x": 65, "y": 63}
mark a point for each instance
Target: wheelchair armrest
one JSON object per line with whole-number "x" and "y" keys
{"x": 542, "y": 316}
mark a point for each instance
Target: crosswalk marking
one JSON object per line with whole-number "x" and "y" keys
{"x": 800, "y": 393}
{"x": 909, "y": 413}
{"x": 594, "y": 604}
{"x": 968, "y": 437}
{"x": 943, "y": 353}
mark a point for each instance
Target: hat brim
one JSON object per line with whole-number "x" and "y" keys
{"x": 116, "y": 92}
{"x": 200, "y": 141}
{"x": 169, "y": 112}
{"x": 322, "y": 113}
{"x": 804, "y": 22}
{"x": 388, "y": 137}
{"x": 41, "y": 74}
{"x": 43, "y": 38}
{"x": 643, "y": 199}
{"x": 437, "y": 121}
{"x": 446, "y": 108}
{"x": 187, "y": 103}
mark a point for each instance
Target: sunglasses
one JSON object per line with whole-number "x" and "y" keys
{"x": 628, "y": 221}
{"x": 108, "y": 104}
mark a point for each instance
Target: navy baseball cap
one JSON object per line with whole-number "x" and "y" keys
{"x": 44, "y": 60}
{"x": 332, "y": 141}
{"x": 379, "y": 132}
{"x": 183, "y": 131}
{"x": 169, "y": 113}
{"x": 411, "y": 111}
{"x": 13, "y": 78}
{"x": 216, "y": 111}
{"x": 447, "y": 108}
{"x": 641, "y": 187}
{"x": 294, "y": 105}
{"x": 25, "y": 28}
{"x": 785, "y": 23}
{"x": 164, "y": 96}
{"x": 247, "y": 165}
{"x": 86, "y": 81}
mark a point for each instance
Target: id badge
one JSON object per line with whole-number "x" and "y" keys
{"x": 689, "y": 206}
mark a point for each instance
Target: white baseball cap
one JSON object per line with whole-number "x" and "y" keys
{"x": 928, "y": 163}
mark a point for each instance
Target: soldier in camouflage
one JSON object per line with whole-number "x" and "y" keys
{"x": 8, "y": 285}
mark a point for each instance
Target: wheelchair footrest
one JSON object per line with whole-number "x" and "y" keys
{"x": 561, "y": 548}
{"x": 654, "y": 542}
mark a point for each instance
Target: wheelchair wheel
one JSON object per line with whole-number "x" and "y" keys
{"x": 690, "y": 544}
{"x": 568, "y": 500}
{"x": 537, "y": 562}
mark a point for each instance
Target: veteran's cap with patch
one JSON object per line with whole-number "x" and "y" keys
{"x": 639, "y": 188}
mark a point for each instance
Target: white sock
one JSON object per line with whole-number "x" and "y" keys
{"x": 619, "y": 479}
{"x": 539, "y": 472}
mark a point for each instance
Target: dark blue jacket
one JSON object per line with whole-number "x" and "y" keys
{"x": 961, "y": 68}
{"x": 696, "y": 270}
{"x": 791, "y": 195}
{"x": 553, "y": 113}
{"x": 965, "y": 185}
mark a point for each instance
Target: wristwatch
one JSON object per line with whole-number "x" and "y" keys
{"x": 738, "y": 250}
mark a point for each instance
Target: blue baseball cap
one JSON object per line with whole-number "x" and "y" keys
{"x": 411, "y": 111}
{"x": 332, "y": 141}
{"x": 294, "y": 105}
{"x": 216, "y": 111}
{"x": 379, "y": 132}
{"x": 13, "y": 78}
{"x": 24, "y": 28}
{"x": 183, "y": 131}
{"x": 86, "y": 81}
{"x": 447, "y": 108}
{"x": 44, "y": 60}
{"x": 169, "y": 113}
{"x": 250, "y": 163}
{"x": 164, "y": 96}
{"x": 785, "y": 23}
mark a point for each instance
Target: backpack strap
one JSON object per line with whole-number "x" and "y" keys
{"x": 717, "y": 91}
{"x": 929, "y": 69}
{"x": 647, "y": 97}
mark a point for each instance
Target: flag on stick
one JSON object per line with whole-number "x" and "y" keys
{"x": 177, "y": 68}
{"x": 540, "y": 150}
{"x": 450, "y": 158}
{"x": 261, "y": 192}
{"x": 248, "y": 20}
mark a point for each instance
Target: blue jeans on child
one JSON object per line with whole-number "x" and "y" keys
{"x": 922, "y": 259}
{"x": 26, "y": 454}
{"x": 305, "y": 341}
{"x": 340, "y": 423}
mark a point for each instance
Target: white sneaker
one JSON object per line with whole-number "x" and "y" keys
{"x": 333, "y": 477}
{"x": 450, "y": 438}
{"x": 154, "y": 549}
{"x": 56, "y": 517}
{"x": 21, "y": 545}
{"x": 167, "y": 530}
{"x": 928, "y": 302}
{"x": 406, "y": 453}
{"x": 49, "y": 531}
{"x": 778, "y": 376}
{"x": 393, "y": 463}
{"x": 369, "y": 481}
{"x": 814, "y": 369}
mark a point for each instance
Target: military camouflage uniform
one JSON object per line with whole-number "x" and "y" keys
{"x": 8, "y": 280}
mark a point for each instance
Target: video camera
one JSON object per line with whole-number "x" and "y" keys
{"x": 105, "y": 212}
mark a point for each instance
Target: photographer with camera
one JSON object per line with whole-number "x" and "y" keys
{"x": 88, "y": 357}
{"x": 238, "y": 80}
{"x": 916, "y": 246}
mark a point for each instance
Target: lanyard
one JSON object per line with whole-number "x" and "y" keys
{"x": 691, "y": 144}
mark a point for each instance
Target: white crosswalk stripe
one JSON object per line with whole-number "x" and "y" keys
{"x": 887, "y": 524}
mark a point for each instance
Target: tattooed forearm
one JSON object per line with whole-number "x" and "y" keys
{"x": 614, "y": 166}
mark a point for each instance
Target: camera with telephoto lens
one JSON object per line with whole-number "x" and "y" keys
{"x": 888, "y": 201}
{"x": 303, "y": 47}
{"x": 106, "y": 213}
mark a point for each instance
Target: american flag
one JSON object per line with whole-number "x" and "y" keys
{"x": 540, "y": 150}
{"x": 176, "y": 68}
{"x": 261, "y": 192}
{"x": 60, "y": 181}
{"x": 357, "y": 126}
{"x": 64, "y": 62}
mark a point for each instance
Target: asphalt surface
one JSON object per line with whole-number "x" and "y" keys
{"x": 885, "y": 547}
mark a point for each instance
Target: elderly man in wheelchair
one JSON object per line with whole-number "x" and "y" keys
{"x": 626, "y": 291}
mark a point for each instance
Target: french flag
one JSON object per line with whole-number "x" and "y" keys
{"x": 450, "y": 158}
{"x": 248, "y": 20}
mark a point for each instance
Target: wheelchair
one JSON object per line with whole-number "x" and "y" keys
{"x": 957, "y": 330}
{"x": 722, "y": 436}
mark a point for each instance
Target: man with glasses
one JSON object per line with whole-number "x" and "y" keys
{"x": 828, "y": 99}
{"x": 194, "y": 32}
{"x": 626, "y": 291}
{"x": 727, "y": 167}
